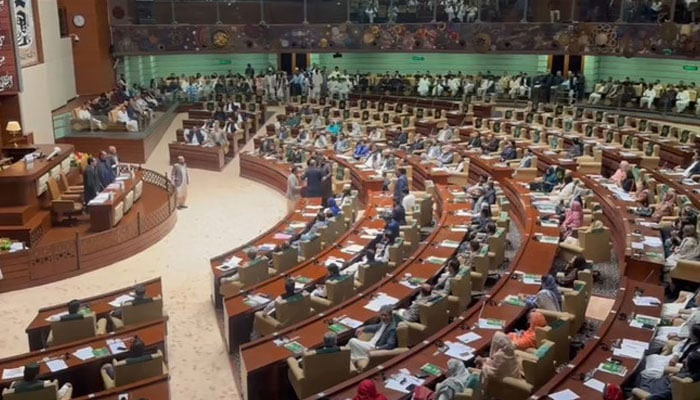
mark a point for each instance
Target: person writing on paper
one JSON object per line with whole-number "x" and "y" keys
{"x": 181, "y": 180}
{"x": 30, "y": 382}
{"x": 91, "y": 181}
{"x": 383, "y": 336}
{"x": 548, "y": 298}
{"x": 570, "y": 273}
{"x": 526, "y": 340}
{"x": 289, "y": 294}
{"x": 502, "y": 361}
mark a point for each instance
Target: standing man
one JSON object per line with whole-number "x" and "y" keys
{"x": 293, "y": 189}
{"x": 91, "y": 181}
{"x": 113, "y": 159}
{"x": 249, "y": 71}
{"x": 104, "y": 171}
{"x": 181, "y": 180}
{"x": 314, "y": 180}
{"x": 401, "y": 185}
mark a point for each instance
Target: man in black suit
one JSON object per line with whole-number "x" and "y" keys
{"x": 509, "y": 152}
{"x": 195, "y": 133}
{"x": 694, "y": 167}
{"x": 383, "y": 338}
{"x": 314, "y": 180}
{"x": 91, "y": 181}
{"x": 104, "y": 171}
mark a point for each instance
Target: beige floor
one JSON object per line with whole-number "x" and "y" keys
{"x": 225, "y": 212}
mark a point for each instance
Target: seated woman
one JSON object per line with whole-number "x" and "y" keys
{"x": 564, "y": 193}
{"x": 368, "y": 391}
{"x": 502, "y": 361}
{"x": 621, "y": 173}
{"x": 526, "y": 339}
{"x": 573, "y": 219}
{"x": 550, "y": 180}
{"x": 548, "y": 298}
{"x": 687, "y": 250}
{"x": 665, "y": 209}
{"x": 641, "y": 195}
{"x": 457, "y": 380}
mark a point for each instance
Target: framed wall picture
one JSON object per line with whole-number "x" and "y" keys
{"x": 27, "y": 32}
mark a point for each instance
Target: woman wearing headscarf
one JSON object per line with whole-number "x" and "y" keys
{"x": 573, "y": 219}
{"x": 549, "y": 296}
{"x": 367, "y": 391}
{"x": 525, "y": 340}
{"x": 551, "y": 179}
{"x": 641, "y": 196}
{"x": 333, "y": 206}
{"x": 501, "y": 362}
{"x": 456, "y": 381}
{"x": 687, "y": 250}
{"x": 621, "y": 173}
{"x": 613, "y": 392}
{"x": 665, "y": 209}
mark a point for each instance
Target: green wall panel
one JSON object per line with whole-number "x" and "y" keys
{"x": 436, "y": 63}
{"x": 651, "y": 69}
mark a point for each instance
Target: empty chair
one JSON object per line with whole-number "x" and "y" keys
{"x": 368, "y": 275}
{"x": 309, "y": 248}
{"x": 138, "y": 190}
{"x": 319, "y": 371}
{"x": 133, "y": 370}
{"x": 556, "y": 331}
{"x": 69, "y": 205}
{"x": 593, "y": 243}
{"x": 538, "y": 364}
{"x": 461, "y": 291}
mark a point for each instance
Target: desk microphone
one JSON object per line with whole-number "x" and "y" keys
{"x": 54, "y": 153}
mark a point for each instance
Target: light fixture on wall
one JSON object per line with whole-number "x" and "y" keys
{"x": 15, "y": 130}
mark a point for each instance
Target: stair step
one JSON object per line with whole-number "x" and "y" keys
{"x": 17, "y": 215}
{"x": 31, "y": 231}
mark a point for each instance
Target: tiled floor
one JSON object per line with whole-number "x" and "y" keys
{"x": 224, "y": 212}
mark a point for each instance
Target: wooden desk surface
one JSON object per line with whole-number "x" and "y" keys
{"x": 20, "y": 171}
{"x": 259, "y": 358}
{"x": 156, "y": 388}
{"x": 101, "y": 215}
{"x": 39, "y": 328}
{"x": 84, "y": 374}
{"x": 236, "y": 312}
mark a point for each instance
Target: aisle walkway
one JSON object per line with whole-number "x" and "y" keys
{"x": 224, "y": 212}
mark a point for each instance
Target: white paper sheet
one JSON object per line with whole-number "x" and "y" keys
{"x": 459, "y": 351}
{"x": 595, "y": 384}
{"x": 652, "y": 241}
{"x": 84, "y": 353}
{"x": 564, "y": 395}
{"x": 56, "y": 317}
{"x": 13, "y": 373}
{"x": 646, "y": 301}
{"x": 381, "y": 300}
{"x": 56, "y": 365}
{"x": 349, "y": 322}
{"x": 120, "y": 300}
{"x": 469, "y": 337}
{"x": 116, "y": 346}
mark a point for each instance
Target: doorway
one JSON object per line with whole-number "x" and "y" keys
{"x": 287, "y": 62}
{"x": 565, "y": 63}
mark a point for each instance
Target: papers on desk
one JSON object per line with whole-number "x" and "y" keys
{"x": 352, "y": 323}
{"x": 13, "y": 373}
{"x": 309, "y": 215}
{"x": 116, "y": 346}
{"x": 646, "y": 301}
{"x": 595, "y": 384}
{"x": 352, "y": 249}
{"x": 56, "y": 365}
{"x": 469, "y": 337}
{"x": 645, "y": 321}
{"x": 637, "y": 245}
{"x": 460, "y": 228}
{"x": 84, "y": 353}
{"x": 56, "y": 317}
{"x": 663, "y": 332}
{"x": 403, "y": 381}
{"x": 631, "y": 349}
{"x": 230, "y": 263}
{"x": 652, "y": 241}
{"x": 464, "y": 213}
{"x": 295, "y": 347}
{"x": 120, "y": 300}
{"x": 435, "y": 260}
{"x": 373, "y": 232}
{"x": 549, "y": 224}
{"x": 449, "y": 244}
{"x": 491, "y": 323}
{"x": 567, "y": 394}
{"x": 514, "y": 300}
{"x": 548, "y": 239}
{"x": 266, "y": 247}
{"x": 382, "y": 299}
{"x": 459, "y": 351}
{"x": 281, "y": 236}
{"x": 254, "y": 300}
{"x": 532, "y": 279}
{"x": 297, "y": 224}
{"x": 314, "y": 207}
{"x": 99, "y": 199}
{"x": 647, "y": 224}
{"x": 16, "y": 246}
{"x": 333, "y": 260}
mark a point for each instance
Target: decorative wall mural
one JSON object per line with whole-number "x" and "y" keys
{"x": 25, "y": 32}
{"x": 638, "y": 40}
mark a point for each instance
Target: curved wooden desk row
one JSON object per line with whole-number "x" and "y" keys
{"x": 38, "y": 330}
{"x": 59, "y": 260}
{"x": 263, "y": 367}
{"x": 533, "y": 257}
{"x": 85, "y": 374}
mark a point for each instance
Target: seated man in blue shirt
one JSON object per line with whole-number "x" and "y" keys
{"x": 361, "y": 150}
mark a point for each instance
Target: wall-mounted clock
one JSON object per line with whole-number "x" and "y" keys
{"x": 78, "y": 20}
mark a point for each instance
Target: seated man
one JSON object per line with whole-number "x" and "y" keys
{"x": 433, "y": 150}
{"x": 660, "y": 388}
{"x": 195, "y": 136}
{"x": 139, "y": 298}
{"x": 374, "y": 160}
{"x": 123, "y": 116}
{"x": 137, "y": 354}
{"x": 83, "y": 114}
{"x": 253, "y": 259}
{"x": 445, "y": 135}
{"x": 384, "y": 336}
{"x": 368, "y": 260}
{"x": 491, "y": 143}
{"x": 330, "y": 344}
{"x": 426, "y": 295}
{"x": 75, "y": 312}
{"x": 361, "y": 150}
{"x": 526, "y": 161}
{"x": 400, "y": 138}
{"x": 289, "y": 294}
{"x": 442, "y": 286}
{"x": 333, "y": 275}
{"x": 313, "y": 232}
{"x": 341, "y": 144}
{"x": 509, "y": 152}
{"x": 446, "y": 156}
{"x": 30, "y": 382}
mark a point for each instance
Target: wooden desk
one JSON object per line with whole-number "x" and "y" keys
{"x": 102, "y": 215}
{"x": 238, "y": 316}
{"x": 532, "y": 257}
{"x": 38, "y": 330}
{"x": 156, "y": 388}
{"x": 210, "y": 158}
{"x": 85, "y": 374}
{"x": 263, "y": 366}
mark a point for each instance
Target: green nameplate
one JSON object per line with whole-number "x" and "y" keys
{"x": 294, "y": 347}
{"x": 431, "y": 369}
{"x": 416, "y": 281}
{"x": 103, "y": 352}
{"x": 337, "y": 328}
{"x": 514, "y": 301}
{"x": 85, "y": 311}
{"x": 302, "y": 279}
{"x": 435, "y": 260}
{"x": 613, "y": 368}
